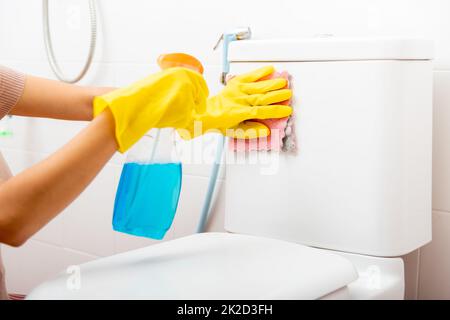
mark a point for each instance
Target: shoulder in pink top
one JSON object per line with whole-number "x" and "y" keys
{"x": 11, "y": 89}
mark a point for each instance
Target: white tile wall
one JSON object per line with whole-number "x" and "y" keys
{"x": 132, "y": 34}
{"x": 87, "y": 222}
{"x": 434, "y": 279}
{"x": 411, "y": 275}
{"x": 37, "y": 261}
{"x": 435, "y": 260}
{"x": 441, "y": 145}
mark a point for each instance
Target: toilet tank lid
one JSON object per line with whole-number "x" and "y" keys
{"x": 331, "y": 48}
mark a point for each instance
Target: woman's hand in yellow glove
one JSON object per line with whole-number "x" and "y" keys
{"x": 244, "y": 98}
{"x": 168, "y": 98}
{"x": 177, "y": 98}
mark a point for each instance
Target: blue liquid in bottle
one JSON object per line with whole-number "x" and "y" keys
{"x": 147, "y": 199}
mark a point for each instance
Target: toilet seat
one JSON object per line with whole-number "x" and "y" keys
{"x": 208, "y": 266}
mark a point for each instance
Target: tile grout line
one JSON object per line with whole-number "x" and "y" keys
{"x": 66, "y": 248}
{"x": 445, "y": 211}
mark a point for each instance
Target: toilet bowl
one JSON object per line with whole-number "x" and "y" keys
{"x": 230, "y": 266}
{"x": 329, "y": 221}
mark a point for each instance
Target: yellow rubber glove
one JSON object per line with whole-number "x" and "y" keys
{"x": 243, "y": 98}
{"x": 165, "y": 99}
{"x": 177, "y": 98}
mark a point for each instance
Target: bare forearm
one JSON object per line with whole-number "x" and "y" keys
{"x": 31, "y": 199}
{"x": 52, "y": 99}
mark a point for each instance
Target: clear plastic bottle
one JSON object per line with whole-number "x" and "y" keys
{"x": 149, "y": 187}
{"x": 150, "y": 184}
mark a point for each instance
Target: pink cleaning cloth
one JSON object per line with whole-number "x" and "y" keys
{"x": 277, "y": 128}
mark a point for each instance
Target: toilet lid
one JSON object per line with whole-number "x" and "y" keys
{"x": 207, "y": 266}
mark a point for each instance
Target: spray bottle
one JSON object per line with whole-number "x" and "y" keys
{"x": 150, "y": 183}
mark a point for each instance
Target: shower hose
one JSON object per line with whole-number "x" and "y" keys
{"x": 49, "y": 46}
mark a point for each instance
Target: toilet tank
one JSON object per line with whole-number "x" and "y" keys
{"x": 360, "y": 180}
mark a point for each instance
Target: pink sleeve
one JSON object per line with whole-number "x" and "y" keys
{"x": 11, "y": 88}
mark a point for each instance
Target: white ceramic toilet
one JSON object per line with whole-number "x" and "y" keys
{"x": 328, "y": 222}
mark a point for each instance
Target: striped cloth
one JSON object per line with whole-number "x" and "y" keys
{"x": 11, "y": 88}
